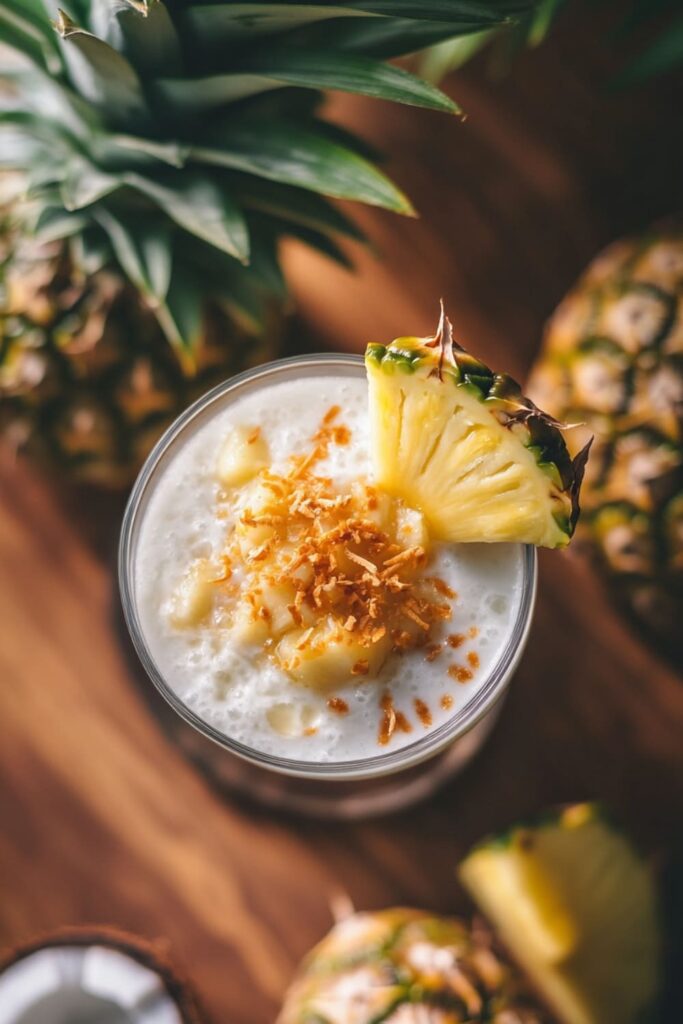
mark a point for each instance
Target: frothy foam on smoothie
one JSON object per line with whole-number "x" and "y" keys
{"x": 246, "y": 695}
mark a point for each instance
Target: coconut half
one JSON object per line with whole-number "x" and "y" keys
{"x": 101, "y": 976}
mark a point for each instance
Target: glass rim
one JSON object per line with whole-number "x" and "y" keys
{"x": 389, "y": 762}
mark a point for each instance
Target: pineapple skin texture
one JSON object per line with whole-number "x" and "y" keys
{"x": 404, "y": 966}
{"x": 88, "y": 381}
{"x": 612, "y": 360}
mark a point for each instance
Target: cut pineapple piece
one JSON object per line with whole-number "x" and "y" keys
{"x": 465, "y": 447}
{"x": 251, "y": 536}
{"x": 242, "y": 455}
{"x": 327, "y": 656}
{"x": 293, "y": 719}
{"x": 192, "y": 600}
{"x": 575, "y": 905}
{"x": 248, "y": 626}
{"x": 270, "y": 617}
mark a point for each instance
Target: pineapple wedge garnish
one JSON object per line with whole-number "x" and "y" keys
{"x": 462, "y": 444}
{"x": 575, "y": 905}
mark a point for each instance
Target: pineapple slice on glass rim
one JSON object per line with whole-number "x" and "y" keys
{"x": 463, "y": 445}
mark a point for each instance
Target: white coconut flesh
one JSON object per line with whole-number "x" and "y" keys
{"x": 84, "y": 985}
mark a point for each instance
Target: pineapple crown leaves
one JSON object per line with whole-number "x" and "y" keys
{"x": 181, "y": 140}
{"x": 659, "y": 21}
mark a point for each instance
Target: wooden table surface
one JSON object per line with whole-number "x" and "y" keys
{"x": 103, "y": 821}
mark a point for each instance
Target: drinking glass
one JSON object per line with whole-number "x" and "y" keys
{"x": 356, "y": 788}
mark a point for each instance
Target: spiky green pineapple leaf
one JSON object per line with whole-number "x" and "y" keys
{"x": 143, "y": 32}
{"x": 664, "y": 54}
{"x": 453, "y": 11}
{"x": 197, "y": 203}
{"x": 142, "y": 246}
{"x": 90, "y": 250}
{"x": 347, "y": 73}
{"x": 121, "y": 150}
{"x": 292, "y": 204}
{"x": 84, "y": 184}
{"x": 53, "y": 224}
{"x": 295, "y": 155}
{"x": 194, "y": 95}
{"x": 398, "y": 29}
{"x": 102, "y": 75}
{"x": 451, "y": 54}
{"x": 52, "y": 101}
{"x": 381, "y": 37}
{"x": 181, "y": 316}
{"x": 273, "y": 69}
{"x": 22, "y": 29}
{"x": 215, "y": 24}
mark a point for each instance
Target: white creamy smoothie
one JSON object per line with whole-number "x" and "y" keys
{"x": 295, "y": 608}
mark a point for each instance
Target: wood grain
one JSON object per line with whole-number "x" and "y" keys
{"x": 103, "y": 821}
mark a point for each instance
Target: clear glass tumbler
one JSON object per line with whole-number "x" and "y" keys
{"x": 345, "y": 789}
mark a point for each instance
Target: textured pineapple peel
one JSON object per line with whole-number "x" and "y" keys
{"x": 463, "y": 444}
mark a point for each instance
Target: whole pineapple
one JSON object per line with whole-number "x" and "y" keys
{"x": 404, "y": 966}
{"x": 163, "y": 149}
{"x": 612, "y": 361}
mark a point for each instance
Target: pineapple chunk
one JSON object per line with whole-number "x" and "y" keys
{"x": 250, "y": 627}
{"x": 192, "y": 601}
{"x": 327, "y": 656}
{"x": 250, "y": 537}
{"x": 292, "y": 719}
{"x": 243, "y": 453}
{"x": 254, "y": 627}
{"x": 380, "y": 506}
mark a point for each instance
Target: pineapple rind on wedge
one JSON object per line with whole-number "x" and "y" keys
{"x": 575, "y": 905}
{"x": 403, "y": 966}
{"x": 462, "y": 444}
{"x": 163, "y": 149}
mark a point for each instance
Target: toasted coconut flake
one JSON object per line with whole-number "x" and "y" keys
{"x": 359, "y": 560}
{"x": 328, "y": 553}
{"x": 441, "y": 586}
{"x": 409, "y": 610}
{"x": 297, "y": 618}
{"x": 387, "y": 726}
{"x": 422, "y": 711}
{"x": 460, "y": 673}
{"x": 331, "y": 414}
{"x": 433, "y": 652}
{"x": 303, "y": 642}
